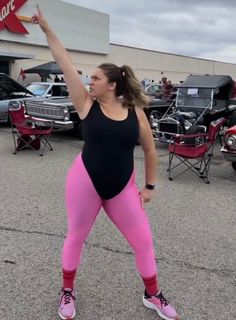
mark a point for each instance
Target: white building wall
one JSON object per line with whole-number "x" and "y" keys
{"x": 85, "y": 33}
{"x": 146, "y": 64}
{"x": 154, "y": 65}
{"x": 79, "y": 28}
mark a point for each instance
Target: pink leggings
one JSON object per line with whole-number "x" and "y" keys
{"x": 83, "y": 205}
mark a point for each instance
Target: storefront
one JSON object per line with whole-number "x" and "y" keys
{"x": 86, "y": 35}
{"x": 23, "y": 44}
{"x": 7, "y": 60}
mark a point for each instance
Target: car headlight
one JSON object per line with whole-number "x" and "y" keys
{"x": 66, "y": 113}
{"x": 153, "y": 122}
{"x": 230, "y": 140}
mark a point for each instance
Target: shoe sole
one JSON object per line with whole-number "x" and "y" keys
{"x": 66, "y": 318}
{"x": 153, "y": 307}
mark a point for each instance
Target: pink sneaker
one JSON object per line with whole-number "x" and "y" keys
{"x": 160, "y": 304}
{"x": 66, "y": 309}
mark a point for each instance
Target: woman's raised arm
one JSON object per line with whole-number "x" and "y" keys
{"x": 79, "y": 94}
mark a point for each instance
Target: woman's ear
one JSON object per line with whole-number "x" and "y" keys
{"x": 112, "y": 86}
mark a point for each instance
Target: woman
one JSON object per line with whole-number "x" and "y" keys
{"x": 102, "y": 175}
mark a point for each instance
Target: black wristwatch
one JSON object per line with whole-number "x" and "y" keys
{"x": 150, "y": 186}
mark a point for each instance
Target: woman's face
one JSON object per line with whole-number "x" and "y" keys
{"x": 99, "y": 85}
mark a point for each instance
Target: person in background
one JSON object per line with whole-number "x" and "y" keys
{"x": 103, "y": 175}
{"x": 164, "y": 87}
{"x": 169, "y": 85}
{"x": 56, "y": 79}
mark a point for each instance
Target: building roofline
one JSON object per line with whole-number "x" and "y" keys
{"x": 16, "y": 55}
{"x": 172, "y": 54}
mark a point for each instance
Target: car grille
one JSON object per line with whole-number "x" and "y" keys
{"x": 169, "y": 127}
{"x": 37, "y": 110}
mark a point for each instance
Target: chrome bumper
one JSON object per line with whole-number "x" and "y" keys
{"x": 228, "y": 155}
{"x": 55, "y": 124}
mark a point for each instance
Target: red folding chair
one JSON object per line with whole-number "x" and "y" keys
{"x": 193, "y": 152}
{"x": 25, "y": 135}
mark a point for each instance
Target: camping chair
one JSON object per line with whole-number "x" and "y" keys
{"x": 25, "y": 135}
{"x": 193, "y": 152}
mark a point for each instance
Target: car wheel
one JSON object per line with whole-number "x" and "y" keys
{"x": 234, "y": 165}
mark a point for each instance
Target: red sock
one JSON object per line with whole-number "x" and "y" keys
{"x": 151, "y": 285}
{"x": 68, "y": 278}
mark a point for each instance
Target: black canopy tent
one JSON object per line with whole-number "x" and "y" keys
{"x": 45, "y": 69}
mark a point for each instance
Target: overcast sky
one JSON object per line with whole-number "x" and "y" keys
{"x": 198, "y": 28}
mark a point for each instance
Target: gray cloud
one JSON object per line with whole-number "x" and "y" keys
{"x": 194, "y": 28}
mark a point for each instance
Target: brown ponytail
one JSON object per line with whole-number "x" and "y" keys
{"x": 127, "y": 85}
{"x": 133, "y": 94}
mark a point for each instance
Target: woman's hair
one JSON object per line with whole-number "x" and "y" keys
{"x": 127, "y": 85}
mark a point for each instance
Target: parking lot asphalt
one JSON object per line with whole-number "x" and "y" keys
{"x": 194, "y": 233}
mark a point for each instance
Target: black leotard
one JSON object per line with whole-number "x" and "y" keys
{"x": 108, "y": 150}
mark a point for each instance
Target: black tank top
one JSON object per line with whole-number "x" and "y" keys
{"x": 108, "y": 150}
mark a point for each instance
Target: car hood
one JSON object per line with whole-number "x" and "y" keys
{"x": 8, "y": 85}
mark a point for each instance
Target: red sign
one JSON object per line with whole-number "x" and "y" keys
{"x": 8, "y": 18}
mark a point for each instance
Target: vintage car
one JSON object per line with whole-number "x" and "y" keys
{"x": 60, "y": 110}
{"x": 157, "y": 108}
{"x": 10, "y": 90}
{"x": 229, "y": 147}
{"x": 64, "y": 117}
{"x": 199, "y": 100}
{"x": 57, "y": 109}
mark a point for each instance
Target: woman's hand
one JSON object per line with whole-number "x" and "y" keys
{"x": 146, "y": 195}
{"x": 39, "y": 19}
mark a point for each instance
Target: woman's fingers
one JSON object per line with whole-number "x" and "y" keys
{"x": 141, "y": 199}
{"x": 39, "y": 11}
{"x": 142, "y": 204}
{"x": 38, "y": 16}
{"x": 146, "y": 195}
{"x": 39, "y": 19}
{"x": 34, "y": 19}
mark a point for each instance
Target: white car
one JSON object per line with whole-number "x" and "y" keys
{"x": 48, "y": 89}
{"x": 154, "y": 89}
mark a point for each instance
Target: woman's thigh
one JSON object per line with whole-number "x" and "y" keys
{"x": 82, "y": 201}
{"x": 126, "y": 212}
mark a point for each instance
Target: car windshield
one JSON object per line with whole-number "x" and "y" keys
{"x": 194, "y": 97}
{"x": 37, "y": 89}
{"x": 153, "y": 89}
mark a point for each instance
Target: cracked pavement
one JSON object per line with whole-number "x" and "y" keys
{"x": 194, "y": 233}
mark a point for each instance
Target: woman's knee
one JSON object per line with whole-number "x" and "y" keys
{"x": 142, "y": 242}
{"x": 74, "y": 240}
